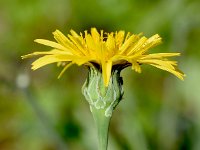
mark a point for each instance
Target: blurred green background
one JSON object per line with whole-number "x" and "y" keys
{"x": 39, "y": 112}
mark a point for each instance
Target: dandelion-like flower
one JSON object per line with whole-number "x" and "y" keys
{"x": 105, "y": 54}
{"x": 105, "y": 50}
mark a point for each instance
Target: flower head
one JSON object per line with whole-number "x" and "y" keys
{"x": 105, "y": 51}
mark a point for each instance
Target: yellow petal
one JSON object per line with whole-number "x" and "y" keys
{"x": 81, "y": 61}
{"x": 95, "y": 35}
{"x": 136, "y": 67}
{"x": 79, "y": 46}
{"x": 150, "y": 43}
{"x": 90, "y": 42}
{"x": 110, "y": 43}
{"x": 48, "y": 59}
{"x": 176, "y": 72}
{"x": 117, "y": 58}
{"x": 119, "y": 38}
{"x": 74, "y": 33}
{"x": 167, "y": 65}
{"x": 51, "y": 44}
{"x": 54, "y": 51}
{"x": 164, "y": 63}
{"x": 137, "y": 46}
{"x": 93, "y": 49}
{"x": 129, "y": 42}
{"x": 159, "y": 55}
{"x": 64, "y": 69}
{"x": 63, "y": 40}
{"x": 106, "y": 71}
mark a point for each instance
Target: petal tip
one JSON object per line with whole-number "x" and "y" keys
{"x": 37, "y": 40}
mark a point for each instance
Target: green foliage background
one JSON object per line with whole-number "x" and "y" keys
{"x": 39, "y": 112}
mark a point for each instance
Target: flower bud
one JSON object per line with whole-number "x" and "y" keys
{"x": 100, "y": 96}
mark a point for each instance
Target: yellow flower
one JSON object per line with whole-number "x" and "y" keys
{"x": 105, "y": 50}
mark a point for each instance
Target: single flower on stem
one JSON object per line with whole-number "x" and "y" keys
{"x": 105, "y": 55}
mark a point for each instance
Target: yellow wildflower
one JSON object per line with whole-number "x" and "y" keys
{"x": 104, "y": 50}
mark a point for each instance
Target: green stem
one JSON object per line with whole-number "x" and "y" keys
{"x": 102, "y": 124}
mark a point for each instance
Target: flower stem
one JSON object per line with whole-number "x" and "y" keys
{"x": 102, "y": 124}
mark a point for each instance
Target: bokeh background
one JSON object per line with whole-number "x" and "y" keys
{"x": 40, "y": 112}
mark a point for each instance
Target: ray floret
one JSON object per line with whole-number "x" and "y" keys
{"x": 104, "y": 50}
